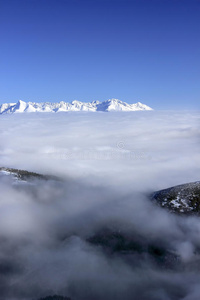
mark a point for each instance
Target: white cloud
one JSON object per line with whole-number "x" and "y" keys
{"x": 110, "y": 163}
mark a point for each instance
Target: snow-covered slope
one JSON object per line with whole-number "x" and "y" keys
{"x": 23, "y": 175}
{"x": 182, "y": 199}
{"x": 108, "y": 105}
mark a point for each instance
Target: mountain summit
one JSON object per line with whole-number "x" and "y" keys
{"x": 108, "y": 105}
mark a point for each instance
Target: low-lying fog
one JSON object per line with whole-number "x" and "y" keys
{"x": 110, "y": 163}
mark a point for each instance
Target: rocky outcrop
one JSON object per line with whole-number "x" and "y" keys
{"x": 24, "y": 175}
{"x": 181, "y": 199}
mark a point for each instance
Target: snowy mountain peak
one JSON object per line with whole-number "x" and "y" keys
{"x": 114, "y": 100}
{"x": 20, "y": 106}
{"x": 108, "y": 105}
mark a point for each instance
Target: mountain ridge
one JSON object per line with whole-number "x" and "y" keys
{"x": 106, "y": 106}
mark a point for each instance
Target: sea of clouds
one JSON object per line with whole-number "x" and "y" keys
{"x": 109, "y": 163}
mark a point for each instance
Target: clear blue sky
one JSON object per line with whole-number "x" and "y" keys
{"x": 147, "y": 51}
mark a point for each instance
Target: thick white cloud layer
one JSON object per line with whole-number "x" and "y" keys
{"x": 154, "y": 149}
{"x": 110, "y": 164}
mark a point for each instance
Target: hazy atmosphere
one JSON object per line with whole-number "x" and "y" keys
{"x": 109, "y": 164}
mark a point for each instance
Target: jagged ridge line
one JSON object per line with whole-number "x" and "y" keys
{"x": 108, "y": 105}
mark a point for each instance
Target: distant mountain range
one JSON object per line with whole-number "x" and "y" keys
{"x": 108, "y": 105}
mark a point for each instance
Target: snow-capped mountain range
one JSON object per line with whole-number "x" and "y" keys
{"x": 108, "y": 105}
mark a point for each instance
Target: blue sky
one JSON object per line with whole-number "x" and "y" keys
{"x": 142, "y": 50}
